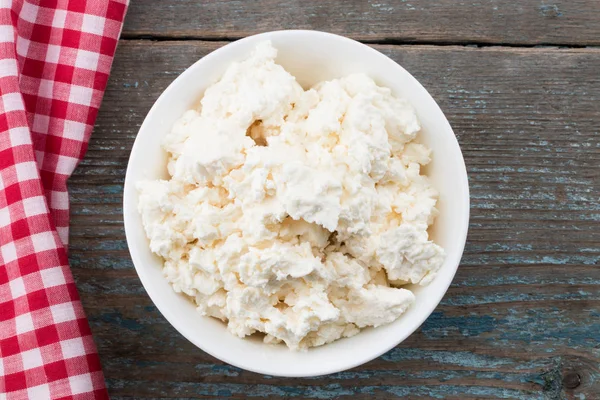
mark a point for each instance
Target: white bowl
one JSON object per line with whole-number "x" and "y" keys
{"x": 312, "y": 57}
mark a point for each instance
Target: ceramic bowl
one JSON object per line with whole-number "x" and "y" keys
{"x": 311, "y": 57}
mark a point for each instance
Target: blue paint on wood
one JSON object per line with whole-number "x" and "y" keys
{"x": 331, "y": 391}
{"x": 550, "y": 10}
{"x": 438, "y": 325}
{"x": 118, "y": 319}
{"x": 457, "y": 358}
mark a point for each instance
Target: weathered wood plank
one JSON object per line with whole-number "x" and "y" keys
{"x": 526, "y": 22}
{"x": 524, "y": 308}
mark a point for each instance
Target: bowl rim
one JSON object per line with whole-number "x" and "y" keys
{"x": 128, "y": 208}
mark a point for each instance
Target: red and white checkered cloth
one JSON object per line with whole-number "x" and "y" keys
{"x": 55, "y": 57}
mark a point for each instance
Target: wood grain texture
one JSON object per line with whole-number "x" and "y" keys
{"x": 524, "y": 308}
{"x": 524, "y": 22}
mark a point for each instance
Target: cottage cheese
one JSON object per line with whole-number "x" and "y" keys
{"x": 294, "y": 213}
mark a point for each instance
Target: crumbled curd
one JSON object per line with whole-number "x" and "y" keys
{"x": 294, "y": 213}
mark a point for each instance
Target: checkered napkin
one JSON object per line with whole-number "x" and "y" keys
{"x": 55, "y": 57}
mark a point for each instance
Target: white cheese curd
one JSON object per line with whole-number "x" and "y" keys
{"x": 294, "y": 213}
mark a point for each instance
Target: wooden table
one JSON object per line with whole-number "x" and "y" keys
{"x": 519, "y": 82}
